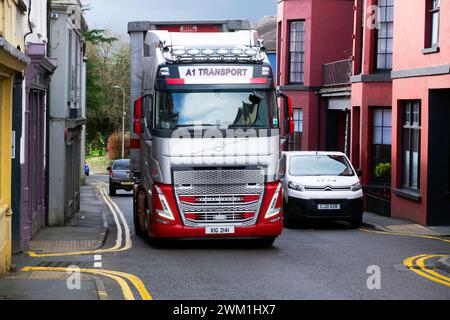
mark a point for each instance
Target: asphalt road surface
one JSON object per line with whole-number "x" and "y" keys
{"x": 321, "y": 261}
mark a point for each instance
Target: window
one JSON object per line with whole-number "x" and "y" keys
{"x": 297, "y": 52}
{"x": 2, "y": 106}
{"x": 434, "y": 23}
{"x": 295, "y": 142}
{"x": 385, "y": 34}
{"x": 298, "y": 120}
{"x": 381, "y": 141}
{"x": 411, "y": 144}
{"x": 320, "y": 165}
{"x": 225, "y": 109}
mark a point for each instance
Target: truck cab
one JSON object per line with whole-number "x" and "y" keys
{"x": 207, "y": 125}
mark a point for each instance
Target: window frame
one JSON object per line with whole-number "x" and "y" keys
{"x": 411, "y": 127}
{"x": 434, "y": 11}
{"x": 384, "y": 68}
{"x": 301, "y": 52}
{"x": 383, "y": 126}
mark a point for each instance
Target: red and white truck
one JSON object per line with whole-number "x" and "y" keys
{"x": 206, "y": 132}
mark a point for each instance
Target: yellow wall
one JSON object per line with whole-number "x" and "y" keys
{"x": 11, "y": 29}
{"x": 5, "y": 173}
{"x": 11, "y": 24}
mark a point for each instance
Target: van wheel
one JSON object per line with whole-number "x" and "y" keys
{"x": 288, "y": 220}
{"x": 356, "y": 222}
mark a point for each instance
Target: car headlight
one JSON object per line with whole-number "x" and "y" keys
{"x": 356, "y": 187}
{"x": 296, "y": 187}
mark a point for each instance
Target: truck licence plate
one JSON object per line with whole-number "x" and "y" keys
{"x": 220, "y": 230}
{"x": 329, "y": 207}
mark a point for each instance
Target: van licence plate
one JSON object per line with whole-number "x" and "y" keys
{"x": 220, "y": 230}
{"x": 329, "y": 207}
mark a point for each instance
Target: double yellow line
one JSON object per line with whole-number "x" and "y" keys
{"x": 121, "y": 232}
{"x": 123, "y": 236}
{"x": 405, "y": 235}
{"x": 417, "y": 265}
{"x": 119, "y": 277}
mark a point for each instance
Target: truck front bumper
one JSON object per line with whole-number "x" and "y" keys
{"x": 165, "y": 231}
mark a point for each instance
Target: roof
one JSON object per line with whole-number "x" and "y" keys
{"x": 312, "y": 153}
{"x": 267, "y": 29}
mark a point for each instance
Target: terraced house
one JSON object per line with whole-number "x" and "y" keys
{"x": 12, "y": 65}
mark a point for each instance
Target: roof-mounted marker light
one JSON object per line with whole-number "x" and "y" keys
{"x": 237, "y": 51}
{"x": 164, "y": 71}
{"x": 251, "y": 52}
{"x": 223, "y": 52}
{"x": 208, "y": 52}
{"x": 193, "y": 52}
{"x": 179, "y": 52}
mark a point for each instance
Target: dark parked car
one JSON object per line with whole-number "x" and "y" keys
{"x": 120, "y": 176}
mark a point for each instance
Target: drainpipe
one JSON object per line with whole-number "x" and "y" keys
{"x": 29, "y": 25}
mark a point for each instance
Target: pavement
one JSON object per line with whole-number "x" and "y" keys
{"x": 386, "y": 224}
{"x": 87, "y": 231}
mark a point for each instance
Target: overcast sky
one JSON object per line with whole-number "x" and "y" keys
{"x": 115, "y": 14}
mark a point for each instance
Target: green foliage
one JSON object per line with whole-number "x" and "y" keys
{"x": 383, "y": 170}
{"x": 108, "y": 65}
{"x": 97, "y": 36}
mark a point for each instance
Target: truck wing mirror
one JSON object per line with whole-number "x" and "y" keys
{"x": 288, "y": 114}
{"x": 140, "y": 106}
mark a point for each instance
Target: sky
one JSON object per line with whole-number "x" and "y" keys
{"x": 115, "y": 14}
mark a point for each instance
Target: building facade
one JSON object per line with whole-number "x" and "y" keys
{"x": 32, "y": 183}
{"x": 311, "y": 35}
{"x": 65, "y": 115}
{"x": 421, "y": 112}
{"x": 12, "y": 65}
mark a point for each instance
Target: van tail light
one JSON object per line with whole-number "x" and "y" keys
{"x": 110, "y": 173}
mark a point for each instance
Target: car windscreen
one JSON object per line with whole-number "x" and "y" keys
{"x": 222, "y": 109}
{"x": 320, "y": 165}
{"x": 121, "y": 165}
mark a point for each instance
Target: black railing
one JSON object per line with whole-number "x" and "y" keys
{"x": 378, "y": 199}
{"x": 337, "y": 73}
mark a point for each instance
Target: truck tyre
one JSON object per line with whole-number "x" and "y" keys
{"x": 137, "y": 226}
{"x": 266, "y": 242}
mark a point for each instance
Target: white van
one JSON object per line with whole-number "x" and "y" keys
{"x": 321, "y": 185}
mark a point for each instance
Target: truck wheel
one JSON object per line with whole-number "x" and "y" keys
{"x": 266, "y": 242}
{"x": 112, "y": 191}
{"x": 137, "y": 226}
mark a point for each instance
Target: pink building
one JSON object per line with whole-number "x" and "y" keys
{"x": 313, "y": 68}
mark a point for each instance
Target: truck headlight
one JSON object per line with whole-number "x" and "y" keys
{"x": 296, "y": 187}
{"x": 165, "y": 211}
{"x": 356, "y": 187}
{"x": 273, "y": 208}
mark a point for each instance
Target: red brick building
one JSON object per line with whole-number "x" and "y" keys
{"x": 392, "y": 116}
{"x": 311, "y": 35}
{"x": 401, "y": 104}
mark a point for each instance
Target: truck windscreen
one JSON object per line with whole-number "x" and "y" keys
{"x": 220, "y": 109}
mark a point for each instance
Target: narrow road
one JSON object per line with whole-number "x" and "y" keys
{"x": 325, "y": 261}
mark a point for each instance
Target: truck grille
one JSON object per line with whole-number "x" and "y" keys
{"x": 208, "y": 197}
